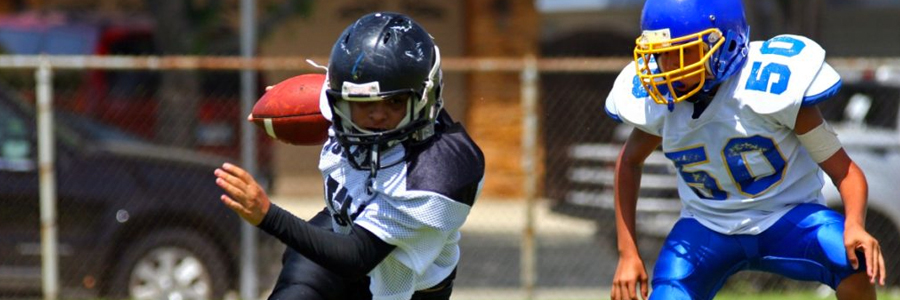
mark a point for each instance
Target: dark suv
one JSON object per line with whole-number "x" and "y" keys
{"x": 134, "y": 219}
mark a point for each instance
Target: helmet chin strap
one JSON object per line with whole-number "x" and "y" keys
{"x": 374, "y": 165}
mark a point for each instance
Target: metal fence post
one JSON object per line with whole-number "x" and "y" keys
{"x": 249, "y": 279}
{"x": 49, "y": 255}
{"x": 528, "y": 81}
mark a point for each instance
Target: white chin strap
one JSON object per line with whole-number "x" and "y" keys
{"x": 324, "y": 107}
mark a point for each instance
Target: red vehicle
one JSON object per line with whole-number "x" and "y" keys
{"x": 127, "y": 99}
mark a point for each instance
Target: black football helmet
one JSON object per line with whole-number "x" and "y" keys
{"x": 379, "y": 56}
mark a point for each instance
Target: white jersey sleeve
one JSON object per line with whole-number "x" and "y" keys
{"x": 417, "y": 225}
{"x": 784, "y": 74}
{"x": 629, "y": 103}
{"x": 826, "y": 84}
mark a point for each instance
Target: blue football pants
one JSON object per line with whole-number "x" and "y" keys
{"x": 805, "y": 244}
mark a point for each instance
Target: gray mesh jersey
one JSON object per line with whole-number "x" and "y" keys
{"x": 418, "y": 205}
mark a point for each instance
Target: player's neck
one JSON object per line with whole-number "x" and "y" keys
{"x": 701, "y": 101}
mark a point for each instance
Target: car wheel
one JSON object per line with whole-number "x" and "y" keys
{"x": 170, "y": 264}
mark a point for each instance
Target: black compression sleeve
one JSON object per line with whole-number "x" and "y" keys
{"x": 352, "y": 255}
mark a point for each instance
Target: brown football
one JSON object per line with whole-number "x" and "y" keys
{"x": 289, "y": 111}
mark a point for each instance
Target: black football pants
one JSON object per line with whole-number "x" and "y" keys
{"x": 303, "y": 279}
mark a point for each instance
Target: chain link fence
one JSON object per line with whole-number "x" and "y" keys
{"x": 137, "y": 140}
{"x": 136, "y": 206}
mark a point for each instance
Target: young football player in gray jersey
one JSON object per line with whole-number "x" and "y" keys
{"x": 400, "y": 176}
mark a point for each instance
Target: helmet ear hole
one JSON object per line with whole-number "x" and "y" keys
{"x": 732, "y": 46}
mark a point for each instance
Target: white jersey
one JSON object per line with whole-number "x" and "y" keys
{"x": 741, "y": 165}
{"x": 418, "y": 205}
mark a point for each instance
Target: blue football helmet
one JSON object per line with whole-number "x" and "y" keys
{"x": 716, "y": 30}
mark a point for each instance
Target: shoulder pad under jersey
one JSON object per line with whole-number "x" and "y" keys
{"x": 784, "y": 73}
{"x": 628, "y": 102}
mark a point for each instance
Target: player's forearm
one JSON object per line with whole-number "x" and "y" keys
{"x": 626, "y": 194}
{"x": 854, "y": 193}
{"x": 353, "y": 255}
{"x": 851, "y": 182}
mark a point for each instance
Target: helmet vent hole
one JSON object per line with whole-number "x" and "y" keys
{"x": 346, "y": 39}
{"x": 387, "y": 37}
{"x": 732, "y": 46}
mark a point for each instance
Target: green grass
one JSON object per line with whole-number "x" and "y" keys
{"x": 792, "y": 296}
{"x": 770, "y": 296}
{"x": 894, "y": 295}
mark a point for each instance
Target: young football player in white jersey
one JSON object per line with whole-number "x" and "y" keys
{"x": 400, "y": 176}
{"x": 739, "y": 122}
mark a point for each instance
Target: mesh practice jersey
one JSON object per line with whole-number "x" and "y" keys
{"x": 417, "y": 205}
{"x": 741, "y": 166}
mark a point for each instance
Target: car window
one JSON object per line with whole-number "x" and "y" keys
{"x": 132, "y": 84}
{"x": 16, "y": 148}
{"x": 93, "y": 130}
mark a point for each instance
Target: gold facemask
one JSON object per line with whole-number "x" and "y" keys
{"x": 652, "y": 45}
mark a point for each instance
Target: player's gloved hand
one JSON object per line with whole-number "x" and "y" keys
{"x": 856, "y": 238}
{"x": 247, "y": 198}
{"x": 629, "y": 273}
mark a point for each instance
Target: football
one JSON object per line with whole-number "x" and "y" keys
{"x": 289, "y": 111}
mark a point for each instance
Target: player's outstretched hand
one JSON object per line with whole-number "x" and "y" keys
{"x": 245, "y": 197}
{"x": 856, "y": 238}
{"x": 629, "y": 274}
